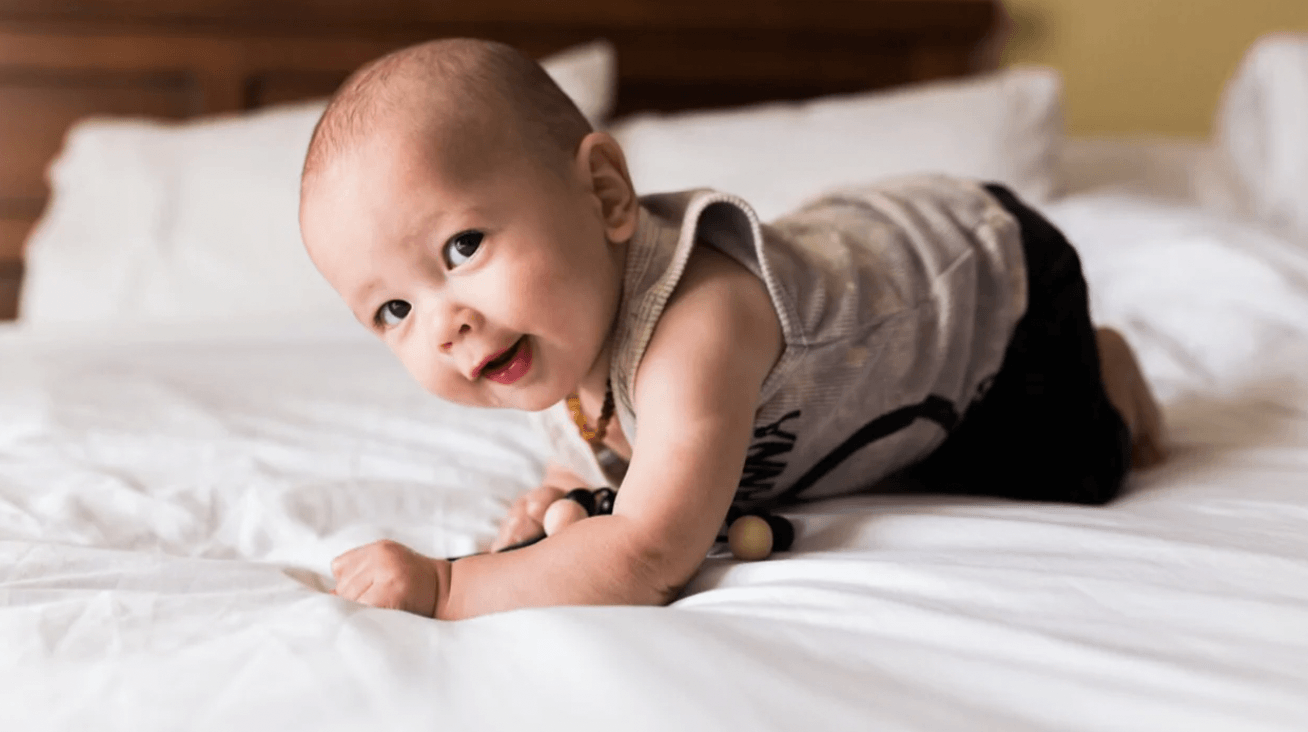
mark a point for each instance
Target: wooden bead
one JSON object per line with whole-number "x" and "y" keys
{"x": 750, "y": 538}
{"x": 562, "y": 513}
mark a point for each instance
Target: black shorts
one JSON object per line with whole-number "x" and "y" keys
{"x": 1044, "y": 429}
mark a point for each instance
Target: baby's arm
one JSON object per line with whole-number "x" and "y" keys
{"x": 696, "y": 392}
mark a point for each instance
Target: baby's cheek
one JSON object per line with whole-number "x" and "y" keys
{"x": 439, "y": 379}
{"x": 424, "y": 369}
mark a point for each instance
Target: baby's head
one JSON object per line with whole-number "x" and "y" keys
{"x": 461, "y": 205}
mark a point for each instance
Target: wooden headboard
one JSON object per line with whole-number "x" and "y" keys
{"x": 60, "y": 61}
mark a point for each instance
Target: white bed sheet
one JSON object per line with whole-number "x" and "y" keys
{"x": 169, "y": 504}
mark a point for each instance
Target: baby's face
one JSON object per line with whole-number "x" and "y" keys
{"x": 490, "y": 276}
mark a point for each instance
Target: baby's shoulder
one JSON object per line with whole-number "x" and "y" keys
{"x": 719, "y": 303}
{"x": 710, "y": 352}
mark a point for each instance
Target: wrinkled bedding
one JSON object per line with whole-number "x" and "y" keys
{"x": 170, "y": 502}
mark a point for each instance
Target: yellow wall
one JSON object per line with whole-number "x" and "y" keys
{"x": 1143, "y": 66}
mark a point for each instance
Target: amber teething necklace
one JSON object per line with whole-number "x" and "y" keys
{"x": 593, "y": 435}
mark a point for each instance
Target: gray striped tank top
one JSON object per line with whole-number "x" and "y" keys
{"x": 896, "y": 301}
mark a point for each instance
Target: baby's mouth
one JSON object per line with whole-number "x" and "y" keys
{"x": 511, "y": 365}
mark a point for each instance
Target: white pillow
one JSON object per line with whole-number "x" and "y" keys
{"x": 1176, "y": 169}
{"x": 1262, "y": 129}
{"x": 151, "y": 222}
{"x": 1004, "y": 127}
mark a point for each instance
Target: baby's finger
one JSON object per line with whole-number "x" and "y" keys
{"x": 516, "y": 529}
{"x": 379, "y": 596}
{"x": 538, "y": 500}
{"x": 343, "y": 563}
{"x": 509, "y": 531}
{"x": 354, "y": 587}
{"x": 501, "y": 541}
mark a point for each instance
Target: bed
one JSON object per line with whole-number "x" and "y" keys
{"x": 191, "y": 427}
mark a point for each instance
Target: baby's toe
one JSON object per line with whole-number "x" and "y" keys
{"x": 1147, "y": 452}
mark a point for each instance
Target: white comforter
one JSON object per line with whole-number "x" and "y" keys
{"x": 169, "y": 506}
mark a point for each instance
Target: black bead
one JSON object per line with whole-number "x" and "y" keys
{"x": 584, "y": 497}
{"x": 783, "y": 532}
{"x": 604, "y": 501}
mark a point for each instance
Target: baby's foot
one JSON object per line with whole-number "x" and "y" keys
{"x": 1130, "y": 395}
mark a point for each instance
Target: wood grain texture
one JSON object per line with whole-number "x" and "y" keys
{"x": 11, "y": 278}
{"x": 358, "y": 17}
{"x": 13, "y": 232}
{"x": 62, "y": 61}
{"x": 50, "y": 102}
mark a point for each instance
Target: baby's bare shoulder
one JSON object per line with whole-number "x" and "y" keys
{"x": 719, "y": 316}
{"x": 717, "y": 288}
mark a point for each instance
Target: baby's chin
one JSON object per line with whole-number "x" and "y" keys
{"x": 525, "y": 400}
{"x": 536, "y": 400}
{"x": 538, "y": 407}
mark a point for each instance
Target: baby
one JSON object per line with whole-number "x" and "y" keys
{"x": 930, "y": 329}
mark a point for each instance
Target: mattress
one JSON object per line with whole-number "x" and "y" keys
{"x": 170, "y": 501}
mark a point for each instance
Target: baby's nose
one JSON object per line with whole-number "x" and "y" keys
{"x": 446, "y": 346}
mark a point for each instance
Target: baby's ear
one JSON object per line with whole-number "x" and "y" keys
{"x": 600, "y": 160}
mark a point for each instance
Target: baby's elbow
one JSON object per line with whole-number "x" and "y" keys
{"x": 653, "y": 574}
{"x": 648, "y": 583}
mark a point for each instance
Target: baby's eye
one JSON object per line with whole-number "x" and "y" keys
{"x": 461, "y": 248}
{"x": 391, "y": 313}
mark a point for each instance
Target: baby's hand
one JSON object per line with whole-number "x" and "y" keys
{"x": 390, "y": 575}
{"x": 525, "y": 518}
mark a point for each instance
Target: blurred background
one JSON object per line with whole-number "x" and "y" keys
{"x": 1130, "y": 68}
{"x": 1143, "y": 66}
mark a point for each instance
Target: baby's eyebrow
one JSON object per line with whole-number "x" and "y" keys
{"x": 364, "y": 291}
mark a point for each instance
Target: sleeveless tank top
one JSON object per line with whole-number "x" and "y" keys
{"x": 896, "y": 303}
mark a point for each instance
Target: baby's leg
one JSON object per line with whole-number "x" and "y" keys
{"x": 1129, "y": 392}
